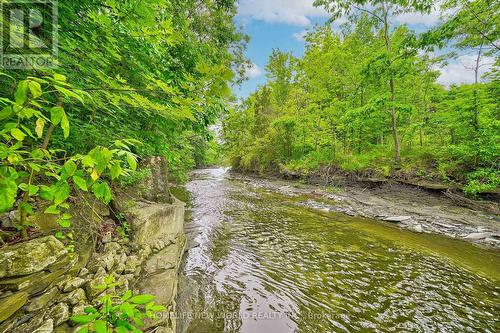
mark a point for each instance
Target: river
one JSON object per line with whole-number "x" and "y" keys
{"x": 258, "y": 261}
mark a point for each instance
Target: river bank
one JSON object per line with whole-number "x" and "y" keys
{"x": 406, "y": 206}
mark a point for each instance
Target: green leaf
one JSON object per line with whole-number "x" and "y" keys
{"x": 142, "y": 299}
{"x": 100, "y": 326}
{"x": 126, "y": 295}
{"x": 80, "y": 183}
{"x": 8, "y": 189}
{"x": 17, "y": 134}
{"x": 131, "y": 160}
{"x": 56, "y": 114}
{"x": 60, "y": 77}
{"x": 88, "y": 161}
{"x": 82, "y": 319}
{"x": 69, "y": 93}
{"x": 83, "y": 330}
{"x": 102, "y": 192}
{"x": 40, "y": 124}
{"x": 61, "y": 193}
{"x": 65, "y": 223}
{"x": 46, "y": 193}
{"x": 158, "y": 308}
{"x": 35, "y": 89}
{"x": 22, "y": 92}
{"x": 32, "y": 190}
{"x": 6, "y": 112}
{"x": 70, "y": 168}
{"x": 65, "y": 125}
{"x": 52, "y": 210}
{"x": 116, "y": 170}
{"x": 121, "y": 329}
{"x": 128, "y": 309}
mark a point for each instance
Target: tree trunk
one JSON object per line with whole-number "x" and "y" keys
{"x": 397, "y": 153}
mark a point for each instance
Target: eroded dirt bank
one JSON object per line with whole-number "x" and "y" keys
{"x": 407, "y": 206}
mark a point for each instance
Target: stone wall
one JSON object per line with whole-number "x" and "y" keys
{"x": 42, "y": 285}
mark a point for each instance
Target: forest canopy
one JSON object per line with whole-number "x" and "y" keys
{"x": 364, "y": 99}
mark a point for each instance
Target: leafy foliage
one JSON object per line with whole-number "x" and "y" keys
{"x": 119, "y": 314}
{"x": 369, "y": 91}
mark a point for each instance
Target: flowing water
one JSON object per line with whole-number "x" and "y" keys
{"x": 259, "y": 262}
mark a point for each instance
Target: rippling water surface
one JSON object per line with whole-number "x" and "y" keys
{"x": 260, "y": 262}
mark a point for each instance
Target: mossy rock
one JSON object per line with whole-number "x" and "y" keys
{"x": 9, "y": 305}
{"x": 30, "y": 257}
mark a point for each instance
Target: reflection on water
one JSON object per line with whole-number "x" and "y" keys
{"x": 258, "y": 262}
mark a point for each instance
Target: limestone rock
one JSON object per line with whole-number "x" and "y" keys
{"x": 101, "y": 272}
{"x": 43, "y": 301}
{"x": 92, "y": 287}
{"x": 64, "y": 328}
{"x": 73, "y": 284}
{"x": 165, "y": 259}
{"x": 79, "y": 309}
{"x": 164, "y": 287}
{"x": 112, "y": 247}
{"x": 32, "y": 284}
{"x": 478, "y": 235}
{"x": 59, "y": 313}
{"x": 157, "y": 222}
{"x": 83, "y": 272}
{"x": 30, "y": 257}
{"x": 131, "y": 264}
{"x": 9, "y": 305}
{"x": 47, "y": 327}
{"x": 74, "y": 297}
{"x": 28, "y": 323}
{"x": 418, "y": 228}
{"x": 397, "y": 218}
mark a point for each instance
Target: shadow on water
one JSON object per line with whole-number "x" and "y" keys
{"x": 258, "y": 262}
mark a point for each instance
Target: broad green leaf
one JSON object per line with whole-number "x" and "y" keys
{"x": 70, "y": 168}
{"x": 82, "y": 319}
{"x": 60, "y": 77}
{"x": 80, "y": 183}
{"x": 6, "y": 112}
{"x": 128, "y": 309}
{"x": 17, "y": 134}
{"x": 115, "y": 171}
{"x": 126, "y": 295}
{"x": 35, "y": 89}
{"x": 33, "y": 189}
{"x": 65, "y": 126}
{"x": 102, "y": 192}
{"x": 142, "y": 299}
{"x": 46, "y": 193}
{"x": 8, "y": 190}
{"x": 88, "y": 161}
{"x": 22, "y": 92}
{"x": 65, "y": 223}
{"x": 56, "y": 115}
{"x": 52, "y": 210}
{"x": 131, "y": 160}
{"x": 121, "y": 329}
{"x": 61, "y": 193}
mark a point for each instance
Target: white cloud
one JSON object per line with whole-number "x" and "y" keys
{"x": 253, "y": 71}
{"x": 461, "y": 70}
{"x": 300, "y": 36}
{"x": 418, "y": 18}
{"x": 295, "y": 12}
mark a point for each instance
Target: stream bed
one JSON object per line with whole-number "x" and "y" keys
{"x": 258, "y": 261}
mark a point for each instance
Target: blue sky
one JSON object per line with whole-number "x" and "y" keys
{"x": 281, "y": 23}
